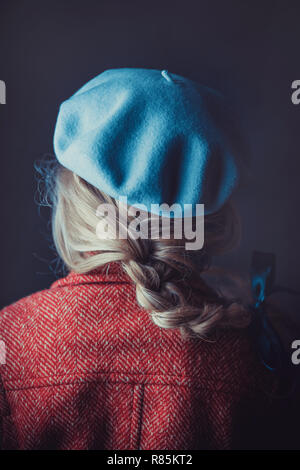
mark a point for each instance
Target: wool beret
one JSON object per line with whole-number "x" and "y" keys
{"x": 151, "y": 136}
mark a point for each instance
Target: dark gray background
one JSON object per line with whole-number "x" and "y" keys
{"x": 247, "y": 49}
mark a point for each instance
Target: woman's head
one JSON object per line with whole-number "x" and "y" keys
{"x": 167, "y": 275}
{"x": 151, "y": 136}
{"x": 154, "y": 138}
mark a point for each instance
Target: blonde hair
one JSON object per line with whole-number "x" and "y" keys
{"x": 167, "y": 277}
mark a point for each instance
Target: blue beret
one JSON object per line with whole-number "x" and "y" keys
{"x": 152, "y": 136}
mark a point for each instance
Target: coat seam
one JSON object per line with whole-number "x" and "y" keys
{"x": 136, "y": 416}
{"x": 121, "y": 381}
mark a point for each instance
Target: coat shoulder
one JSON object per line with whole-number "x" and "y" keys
{"x": 17, "y": 312}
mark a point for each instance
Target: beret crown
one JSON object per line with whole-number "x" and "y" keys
{"x": 152, "y": 136}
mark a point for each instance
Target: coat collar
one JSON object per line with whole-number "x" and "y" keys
{"x": 109, "y": 273}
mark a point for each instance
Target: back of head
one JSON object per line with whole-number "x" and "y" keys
{"x": 153, "y": 139}
{"x": 167, "y": 276}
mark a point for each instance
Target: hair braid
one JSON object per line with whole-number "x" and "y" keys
{"x": 169, "y": 280}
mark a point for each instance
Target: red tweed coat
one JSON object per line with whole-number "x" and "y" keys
{"x": 86, "y": 368}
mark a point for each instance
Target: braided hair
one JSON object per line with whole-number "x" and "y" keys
{"x": 168, "y": 278}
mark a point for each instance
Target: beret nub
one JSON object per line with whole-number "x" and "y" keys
{"x": 149, "y": 135}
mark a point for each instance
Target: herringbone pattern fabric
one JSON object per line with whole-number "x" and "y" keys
{"x": 87, "y": 369}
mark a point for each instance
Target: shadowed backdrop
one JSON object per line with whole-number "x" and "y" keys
{"x": 248, "y": 50}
